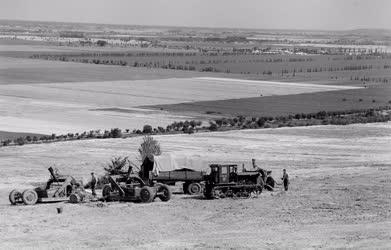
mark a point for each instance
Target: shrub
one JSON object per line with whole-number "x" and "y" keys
{"x": 116, "y": 133}
{"x": 101, "y": 43}
{"x": 116, "y": 165}
{"x": 6, "y": 142}
{"x": 189, "y": 130}
{"x": 20, "y": 141}
{"x": 261, "y": 122}
{"x": 149, "y": 147}
{"x": 147, "y": 129}
{"x": 213, "y": 126}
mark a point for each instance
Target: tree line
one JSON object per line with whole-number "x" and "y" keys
{"x": 379, "y": 114}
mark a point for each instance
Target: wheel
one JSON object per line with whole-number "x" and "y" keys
{"x": 14, "y": 197}
{"x": 194, "y": 188}
{"x": 106, "y": 191}
{"x": 146, "y": 194}
{"x": 74, "y": 198}
{"x": 164, "y": 192}
{"x": 29, "y": 197}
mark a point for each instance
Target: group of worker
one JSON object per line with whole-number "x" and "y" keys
{"x": 285, "y": 177}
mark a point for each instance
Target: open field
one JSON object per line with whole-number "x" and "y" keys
{"x": 48, "y": 97}
{"x": 342, "y": 69}
{"x": 341, "y": 100}
{"x": 20, "y": 70}
{"x": 339, "y": 194}
{"x": 44, "y": 96}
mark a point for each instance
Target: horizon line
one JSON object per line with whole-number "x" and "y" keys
{"x": 197, "y": 27}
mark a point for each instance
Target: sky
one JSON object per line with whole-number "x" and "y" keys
{"x": 260, "y": 14}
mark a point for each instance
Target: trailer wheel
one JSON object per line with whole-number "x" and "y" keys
{"x": 146, "y": 194}
{"x": 164, "y": 192}
{"x": 14, "y": 196}
{"x": 29, "y": 197}
{"x": 194, "y": 188}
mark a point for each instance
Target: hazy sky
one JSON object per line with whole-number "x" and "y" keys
{"x": 267, "y": 14}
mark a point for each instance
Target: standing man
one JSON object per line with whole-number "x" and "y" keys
{"x": 262, "y": 171}
{"x": 285, "y": 179}
{"x": 93, "y": 183}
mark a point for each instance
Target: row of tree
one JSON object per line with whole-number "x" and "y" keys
{"x": 225, "y": 123}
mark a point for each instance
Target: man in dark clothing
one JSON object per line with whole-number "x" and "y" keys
{"x": 262, "y": 171}
{"x": 93, "y": 184}
{"x": 146, "y": 167}
{"x": 285, "y": 179}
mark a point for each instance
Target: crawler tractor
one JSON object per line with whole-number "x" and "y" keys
{"x": 225, "y": 181}
{"x": 57, "y": 188}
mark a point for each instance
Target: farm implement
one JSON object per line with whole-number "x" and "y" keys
{"x": 57, "y": 188}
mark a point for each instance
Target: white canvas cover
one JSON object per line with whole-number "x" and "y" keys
{"x": 170, "y": 162}
{"x": 165, "y": 162}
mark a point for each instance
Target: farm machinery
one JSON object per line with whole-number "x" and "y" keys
{"x": 225, "y": 181}
{"x": 132, "y": 187}
{"x": 192, "y": 179}
{"x": 57, "y": 188}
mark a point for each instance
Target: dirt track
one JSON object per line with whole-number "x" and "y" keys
{"x": 339, "y": 196}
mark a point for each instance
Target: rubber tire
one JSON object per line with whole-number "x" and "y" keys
{"x": 29, "y": 197}
{"x": 12, "y": 196}
{"x": 74, "y": 198}
{"x": 194, "y": 188}
{"x": 106, "y": 191}
{"x": 146, "y": 194}
{"x": 166, "y": 190}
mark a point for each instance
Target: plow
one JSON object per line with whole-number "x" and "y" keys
{"x": 57, "y": 188}
{"x": 133, "y": 188}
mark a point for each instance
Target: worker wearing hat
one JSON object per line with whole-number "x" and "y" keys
{"x": 93, "y": 183}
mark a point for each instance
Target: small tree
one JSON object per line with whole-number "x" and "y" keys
{"x": 147, "y": 129}
{"x": 101, "y": 43}
{"x": 116, "y": 133}
{"x": 213, "y": 126}
{"x": 149, "y": 147}
{"x": 117, "y": 165}
{"x": 20, "y": 141}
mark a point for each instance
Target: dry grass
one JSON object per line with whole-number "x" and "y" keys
{"x": 338, "y": 197}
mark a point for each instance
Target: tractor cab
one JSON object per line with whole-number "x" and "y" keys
{"x": 223, "y": 174}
